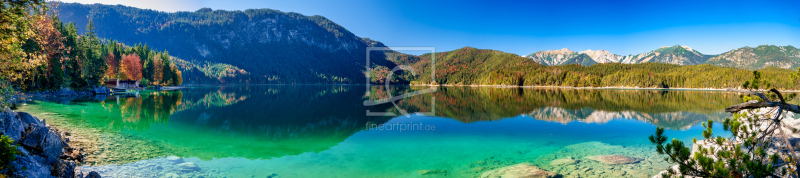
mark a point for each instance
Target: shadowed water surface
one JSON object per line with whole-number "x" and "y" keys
{"x": 322, "y": 130}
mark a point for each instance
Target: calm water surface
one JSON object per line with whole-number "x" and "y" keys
{"x": 324, "y": 130}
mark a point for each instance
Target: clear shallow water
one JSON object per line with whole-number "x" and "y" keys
{"x": 321, "y": 131}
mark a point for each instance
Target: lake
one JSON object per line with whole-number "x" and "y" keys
{"x": 338, "y": 131}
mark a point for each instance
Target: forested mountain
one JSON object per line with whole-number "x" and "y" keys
{"x": 787, "y": 57}
{"x": 468, "y": 66}
{"x": 197, "y": 72}
{"x": 270, "y": 45}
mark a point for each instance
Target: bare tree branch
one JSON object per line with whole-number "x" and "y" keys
{"x": 762, "y": 104}
{"x": 750, "y": 105}
{"x": 780, "y": 96}
{"x": 760, "y": 95}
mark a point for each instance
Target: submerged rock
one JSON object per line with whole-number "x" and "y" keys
{"x": 188, "y": 167}
{"x": 674, "y": 168}
{"x": 174, "y": 159}
{"x": 92, "y": 174}
{"x": 517, "y": 171}
{"x": 273, "y": 175}
{"x": 563, "y": 161}
{"x": 171, "y": 175}
{"x": 433, "y": 172}
{"x": 614, "y": 159}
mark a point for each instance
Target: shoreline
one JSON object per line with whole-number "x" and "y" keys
{"x": 43, "y": 150}
{"x": 492, "y": 86}
{"x": 592, "y": 88}
{"x": 98, "y": 146}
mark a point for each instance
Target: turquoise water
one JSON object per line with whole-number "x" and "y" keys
{"x": 324, "y": 131}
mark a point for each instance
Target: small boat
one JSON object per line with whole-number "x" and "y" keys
{"x": 119, "y": 90}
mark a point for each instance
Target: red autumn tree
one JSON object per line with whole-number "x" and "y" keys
{"x": 132, "y": 67}
{"x": 113, "y": 66}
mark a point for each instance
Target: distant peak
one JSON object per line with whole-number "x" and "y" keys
{"x": 677, "y": 46}
{"x": 205, "y": 9}
{"x": 590, "y": 50}
{"x": 560, "y": 51}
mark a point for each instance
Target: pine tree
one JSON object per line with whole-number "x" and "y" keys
{"x": 57, "y": 74}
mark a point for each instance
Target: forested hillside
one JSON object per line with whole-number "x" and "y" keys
{"x": 470, "y": 66}
{"x": 197, "y": 72}
{"x": 270, "y": 45}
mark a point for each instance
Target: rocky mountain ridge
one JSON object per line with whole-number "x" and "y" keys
{"x": 561, "y": 57}
{"x": 787, "y": 57}
{"x": 602, "y": 56}
{"x": 751, "y": 58}
{"x": 681, "y": 55}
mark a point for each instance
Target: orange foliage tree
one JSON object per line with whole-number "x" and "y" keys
{"x": 49, "y": 39}
{"x": 113, "y": 65}
{"x": 132, "y": 66}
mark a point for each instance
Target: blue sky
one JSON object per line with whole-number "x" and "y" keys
{"x": 524, "y": 27}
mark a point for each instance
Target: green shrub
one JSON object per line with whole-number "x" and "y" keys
{"x": 8, "y": 153}
{"x": 144, "y": 82}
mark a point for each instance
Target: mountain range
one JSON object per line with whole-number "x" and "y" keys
{"x": 746, "y": 58}
{"x": 270, "y": 46}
